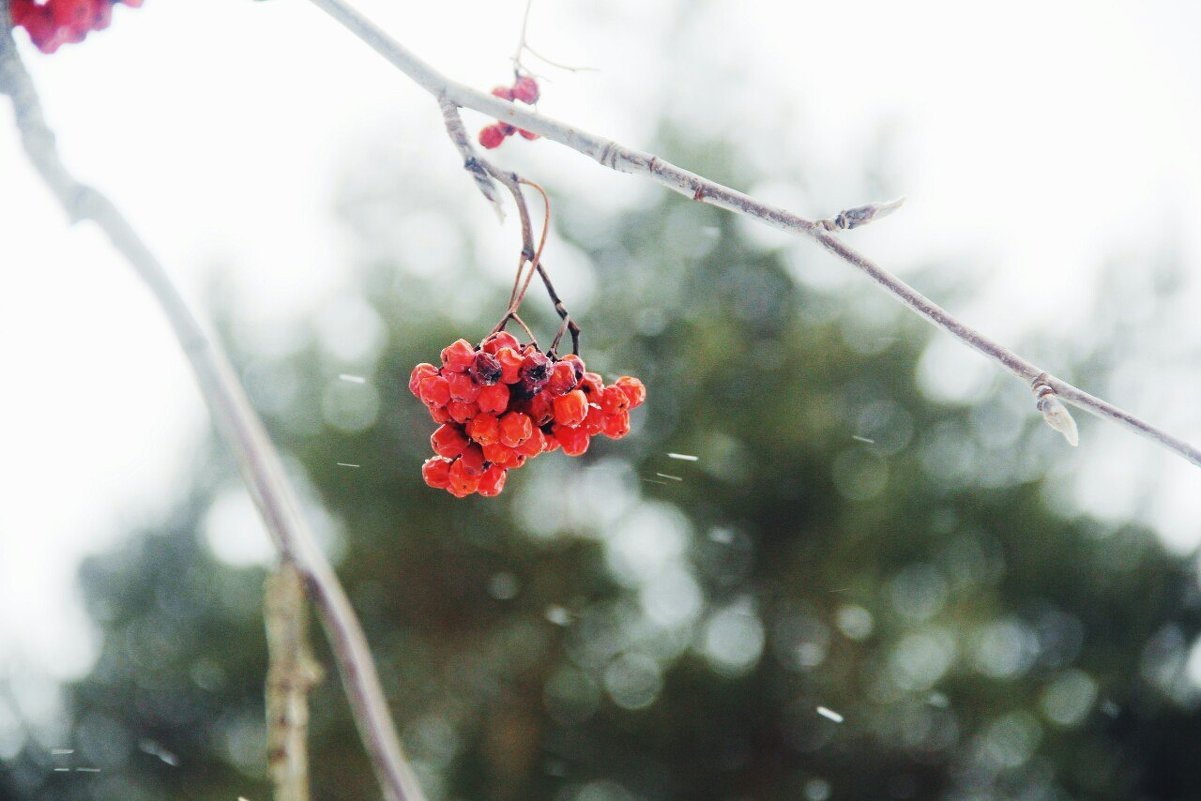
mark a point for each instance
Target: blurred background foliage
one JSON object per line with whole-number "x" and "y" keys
{"x": 628, "y": 625}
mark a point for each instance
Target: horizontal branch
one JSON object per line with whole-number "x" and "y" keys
{"x": 237, "y": 422}
{"x": 629, "y": 160}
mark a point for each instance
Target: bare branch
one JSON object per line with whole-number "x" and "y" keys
{"x": 471, "y": 162}
{"x": 628, "y": 160}
{"x": 239, "y": 425}
{"x": 291, "y": 674}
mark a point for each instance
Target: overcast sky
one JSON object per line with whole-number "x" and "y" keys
{"x": 1033, "y": 141}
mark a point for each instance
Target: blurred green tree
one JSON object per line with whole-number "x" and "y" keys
{"x": 633, "y": 626}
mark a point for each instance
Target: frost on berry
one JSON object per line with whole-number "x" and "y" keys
{"x": 501, "y": 404}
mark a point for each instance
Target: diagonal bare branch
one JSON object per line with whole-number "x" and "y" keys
{"x": 628, "y": 160}
{"x": 239, "y": 425}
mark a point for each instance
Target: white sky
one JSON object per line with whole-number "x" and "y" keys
{"x": 1032, "y": 141}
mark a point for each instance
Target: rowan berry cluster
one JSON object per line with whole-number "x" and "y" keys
{"x": 500, "y": 404}
{"x": 53, "y": 23}
{"x": 525, "y": 89}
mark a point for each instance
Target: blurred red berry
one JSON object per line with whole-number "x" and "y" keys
{"x": 526, "y": 90}
{"x": 503, "y": 92}
{"x": 491, "y": 136}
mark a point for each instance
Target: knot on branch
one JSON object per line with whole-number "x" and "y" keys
{"x": 860, "y": 215}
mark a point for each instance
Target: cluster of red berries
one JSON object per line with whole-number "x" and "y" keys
{"x": 500, "y": 404}
{"x": 525, "y": 89}
{"x": 53, "y": 23}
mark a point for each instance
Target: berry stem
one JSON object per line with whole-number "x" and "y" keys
{"x": 512, "y": 182}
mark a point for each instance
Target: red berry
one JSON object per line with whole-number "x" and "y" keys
{"x": 612, "y": 399}
{"x": 436, "y": 472}
{"x": 526, "y": 90}
{"x": 592, "y": 385}
{"x": 501, "y": 339}
{"x": 510, "y": 365}
{"x": 439, "y": 413}
{"x": 472, "y": 459}
{"x": 530, "y": 135}
{"x": 594, "y": 422}
{"x": 494, "y": 399}
{"x": 491, "y": 136}
{"x": 503, "y": 92}
{"x": 419, "y": 374}
{"x": 460, "y": 482}
{"x": 540, "y": 408}
{"x": 617, "y": 425}
{"x": 458, "y": 356}
{"x": 449, "y": 440}
{"x": 500, "y": 455}
{"x": 484, "y": 429}
{"x": 552, "y": 444}
{"x": 435, "y": 391}
{"x": 463, "y": 387}
{"x": 573, "y": 440}
{"x": 634, "y": 389}
{"x": 486, "y": 370}
{"x": 534, "y": 445}
{"x": 461, "y": 411}
{"x": 492, "y": 481}
{"x": 535, "y": 369}
{"x": 515, "y": 428}
{"x": 571, "y": 409}
{"x": 562, "y": 378}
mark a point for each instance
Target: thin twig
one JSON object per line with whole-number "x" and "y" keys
{"x": 623, "y": 159}
{"x": 471, "y": 162}
{"x": 291, "y": 673}
{"x": 236, "y": 420}
{"x": 523, "y": 46}
{"x": 512, "y": 181}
